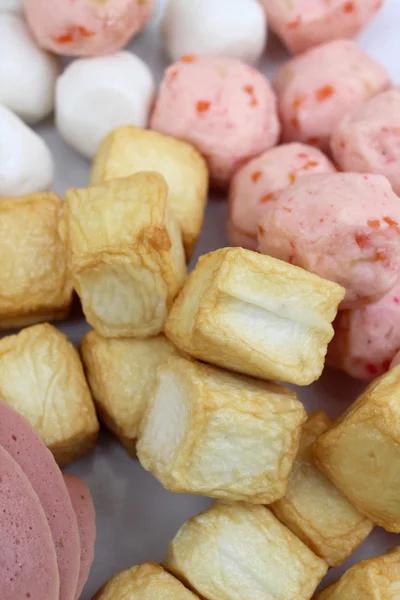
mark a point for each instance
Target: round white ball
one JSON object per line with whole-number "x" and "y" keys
{"x": 27, "y": 73}
{"x": 231, "y": 28}
{"x": 26, "y": 164}
{"x": 95, "y": 95}
{"x": 10, "y": 6}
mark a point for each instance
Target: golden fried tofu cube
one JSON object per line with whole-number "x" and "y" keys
{"x": 256, "y": 315}
{"x": 42, "y": 378}
{"x": 125, "y": 253}
{"x": 121, "y": 375}
{"x": 238, "y": 550}
{"x": 332, "y": 533}
{"x": 35, "y": 284}
{"x": 216, "y": 433}
{"x": 147, "y": 581}
{"x": 128, "y": 149}
{"x": 360, "y": 454}
{"x": 372, "y": 579}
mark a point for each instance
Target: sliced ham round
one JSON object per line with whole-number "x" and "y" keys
{"x": 28, "y": 561}
{"x": 28, "y": 450}
{"x": 82, "y": 502}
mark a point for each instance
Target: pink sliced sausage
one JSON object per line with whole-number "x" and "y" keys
{"x": 82, "y": 502}
{"x": 28, "y": 561}
{"x": 38, "y": 464}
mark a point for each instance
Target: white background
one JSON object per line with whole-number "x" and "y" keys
{"x": 136, "y": 517}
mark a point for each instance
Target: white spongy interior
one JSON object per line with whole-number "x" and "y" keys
{"x": 262, "y": 328}
{"x": 123, "y": 294}
{"x": 166, "y": 423}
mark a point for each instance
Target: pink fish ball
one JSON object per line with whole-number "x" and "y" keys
{"x": 302, "y": 24}
{"x": 367, "y": 338}
{"x": 222, "y": 106}
{"x": 86, "y": 27}
{"x": 316, "y": 89}
{"x": 258, "y": 184}
{"x": 367, "y": 140}
{"x": 342, "y": 226}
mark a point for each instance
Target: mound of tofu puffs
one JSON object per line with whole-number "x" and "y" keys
{"x": 196, "y": 364}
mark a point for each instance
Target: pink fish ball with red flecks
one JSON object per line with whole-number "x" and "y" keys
{"x": 316, "y": 89}
{"x": 367, "y": 140}
{"x": 222, "y": 106}
{"x": 258, "y": 184}
{"x": 302, "y": 24}
{"x": 367, "y": 338}
{"x": 85, "y": 511}
{"x": 342, "y": 226}
{"x": 86, "y": 27}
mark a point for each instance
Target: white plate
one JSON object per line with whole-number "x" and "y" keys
{"x": 136, "y": 517}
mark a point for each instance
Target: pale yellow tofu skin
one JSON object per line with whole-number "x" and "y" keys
{"x": 147, "y": 581}
{"x": 238, "y": 551}
{"x": 360, "y": 454}
{"x": 121, "y": 374}
{"x": 220, "y": 434}
{"x": 125, "y": 253}
{"x": 255, "y": 314}
{"x": 314, "y": 509}
{"x": 35, "y": 284}
{"x": 374, "y": 579}
{"x": 128, "y": 149}
{"x": 42, "y": 378}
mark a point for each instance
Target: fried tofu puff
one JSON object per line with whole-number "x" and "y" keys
{"x": 360, "y": 454}
{"x": 121, "y": 375}
{"x": 147, "y": 581}
{"x": 256, "y": 315}
{"x": 332, "y": 534}
{"x": 238, "y": 551}
{"x": 370, "y": 579}
{"x": 128, "y": 149}
{"x": 42, "y": 377}
{"x": 219, "y": 434}
{"x": 35, "y": 284}
{"x": 125, "y": 253}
